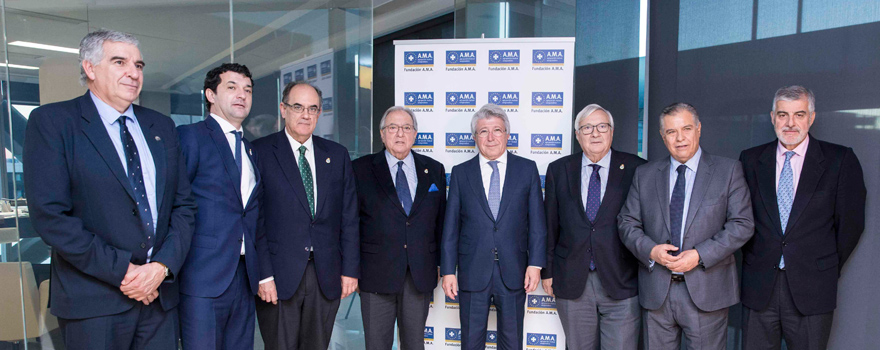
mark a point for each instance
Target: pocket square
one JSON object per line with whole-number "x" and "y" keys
{"x": 433, "y": 188}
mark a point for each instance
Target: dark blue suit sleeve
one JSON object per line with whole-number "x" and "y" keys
{"x": 451, "y": 228}
{"x": 350, "y": 237}
{"x": 441, "y": 215}
{"x": 537, "y": 221}
{"x": 551, "y": 211}
{"x": 47, "y": 179}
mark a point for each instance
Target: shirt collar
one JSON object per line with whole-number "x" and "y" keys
{"x": 501, "y": 160}
{"x": 225, "y": 125}
{"x": 800, "y": 150}
{"x": 392, "y": 160}
{"x": 109, "y": 114}
{"x": 692, "y": 163}
{"x": 605, "y": 162}
{"x": 295, "y": 144}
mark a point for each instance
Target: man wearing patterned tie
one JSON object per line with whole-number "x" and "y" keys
{"x": 589, "y": 270}
{"x": 809, "y": 206}
{"x": 401, "y": 200}
{"x": 494, "y": 232}
{"x": 219, "y": 279}
{"x": 307, "y": 232}
{"x": 683, "y": 219}
{"x": 107, "y": 190}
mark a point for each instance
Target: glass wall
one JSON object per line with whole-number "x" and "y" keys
{"x": 180, "y": 42}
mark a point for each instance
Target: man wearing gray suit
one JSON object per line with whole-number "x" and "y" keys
{"x": 683, "y": 219}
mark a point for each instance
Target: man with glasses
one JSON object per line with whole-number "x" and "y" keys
{"x": 494, "y": 232}
{"x": 402, "y": 199}
{"x": 307, "y": 233}
{"x": 589, "y": 270}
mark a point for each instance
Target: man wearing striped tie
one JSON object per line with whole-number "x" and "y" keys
{"x": 809, "y": 205}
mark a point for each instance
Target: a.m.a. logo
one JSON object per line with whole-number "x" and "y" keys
{"x": 491, "y": 339}
{"x": 451, "y": 304}
{"x": 312, "y": 71}
{"x": 547, "y": 141}
{"x": 541, "y": 341}
{"x": 327, "y": 105}
{"x": 513, "y": 142}
{"x": 429, "y": 334}
{"x": 453, "y": 335}
{"x": 507, "y": 100}
{"x": 547, "y": 101}
{"x": 461, "y": 60}
{"x": 299, "y": 75}
{"x": 325, "y": 68}
{"x": 458, "y": 101}
{"x": 547, "y": 59}
{"x": 541, "y": 304}
{"x": 414, "y": 61}
{"x": 503, "y": 59}
{"x": 424, "y": 144}
{"x": 419, "y": 101}
{"x": 460, "y": 142}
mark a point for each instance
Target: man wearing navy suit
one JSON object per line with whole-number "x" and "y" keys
{"x": 494, "y": 232}
{"x": 307, "y": 234}
{"x": 108, "y": 192}
{"x": 589, "y": 270}
{"x": 809, "y": 204}
{"x": 401, "y": 220}
{"x": 218, "y": 281}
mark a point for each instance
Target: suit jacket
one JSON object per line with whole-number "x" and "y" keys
{"x": 470, "y": 233}
{"x": 285, "y": 224}
{"x": 222, "y": 219}
{"x": 827, "y": 218}
{"x": 719, "y": 221}
{"x": 392, "y": 241}
{"x": 81, "y": 204}
{"x": 572, "y": 238}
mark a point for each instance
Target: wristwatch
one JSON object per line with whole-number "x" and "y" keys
{"x": 167, "y": 272}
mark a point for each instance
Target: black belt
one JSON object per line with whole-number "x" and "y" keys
{"x": 677, "y": 278}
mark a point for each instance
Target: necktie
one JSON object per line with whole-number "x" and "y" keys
{"x": 594, "y": 192}
{"x": 676, "y": 208}
{"x": 238, "y": 152}
{"x": 305, "y": 171}
{"x": 403, "y": 188}
{"x": 785, "y": 195}
{"x": 494, "y": 189}
{"x": 136, "y": 180}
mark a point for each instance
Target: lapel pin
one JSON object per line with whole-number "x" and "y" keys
{"x": 158, "y": 138}
{"x": 621, "y": 167}
{"x": 251, "y": 151}
{"x": 328, "y": 160}
{"x": 426, "y": 171}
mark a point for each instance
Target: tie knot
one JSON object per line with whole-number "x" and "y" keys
{"x": 788, "y": 155}
{"x": 122, "y": 120}
{"x": 493, "y": 164}
{"x": 400, "y": 164}
{"x": 595, "y": 167}
{"x": 302, "y": 150}
{"x": 681, "y": 169}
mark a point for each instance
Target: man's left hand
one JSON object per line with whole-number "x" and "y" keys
{"x": 533, "y": 277}
{"x": 142, "y": 281}
{"x": 349, "y": 285}
{"x": 687, "y": 260}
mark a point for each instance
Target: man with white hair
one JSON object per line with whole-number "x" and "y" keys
{"x": 589, "y": 270}
{"x": 808, "y": 198}
{"x": 107, "y": 190}
{"x": 496, "y": 237}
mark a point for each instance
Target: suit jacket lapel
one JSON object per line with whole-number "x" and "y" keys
{"x": 225, "y": 152}
{"x": 767, "y": 185}
{"x": 811, "y": 173}
{"x": 423, "y": 184}
{"x": 157, "y": 148}
{"x": 98, "y": 135}
{"x": 615, "y": 173}
{"x": 472, "y": 169}
{"x": 573, "y": 169}
{"x": 323, "y": 165}
{"x": 383, "y": 178}
{"x": 249, "y": 156}
{"x": 287, "y": 162}
{"x": 510, "y": 182}
{"x": 662, "y": 190}
{"x": 701, "y": 186}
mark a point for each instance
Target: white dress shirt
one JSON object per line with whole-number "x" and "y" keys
{"x": 310, "y": 157}
{"x": 587, "y": 171}
{"x": 248, "y": 179}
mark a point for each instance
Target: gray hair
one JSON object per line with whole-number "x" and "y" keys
{"x": 91, "y": 48}
{"x": 399, "y": 109}
{"x": 794, "y": 93}
{"x": 489, "y": 110}
{"x": 589, "y": 109}
{"x": 676, "y": 108}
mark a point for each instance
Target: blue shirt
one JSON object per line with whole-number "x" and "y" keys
{"x": 409, "y": 169}
{"x": 689, "y": 175}
{"x": 110, "y": 117}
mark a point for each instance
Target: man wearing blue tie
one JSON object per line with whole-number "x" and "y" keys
{"x": 494, "y": 232}
{"x": 219, "y": 279}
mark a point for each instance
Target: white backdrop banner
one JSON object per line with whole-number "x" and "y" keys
{"x": 318, "y": 71}
{"x": 445, "y": 82}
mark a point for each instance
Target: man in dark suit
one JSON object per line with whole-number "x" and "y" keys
{"x": 108, "y": 192}
{"x": 494, "y": 232}
{"x": 683, "y": 219}
{"x": 401, "y": 220}
{"x": 809, "y": 207}
{"x": 307, "y": 233}
{"x": 219, "y": 279}
{"x": 589, "y": 270}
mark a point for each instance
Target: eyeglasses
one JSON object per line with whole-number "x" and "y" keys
{"x": 298, "y": 108}
{"x": 393, "y": 128}
{"x": 588, "y": 129}
{"x": 497, "y": 132}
